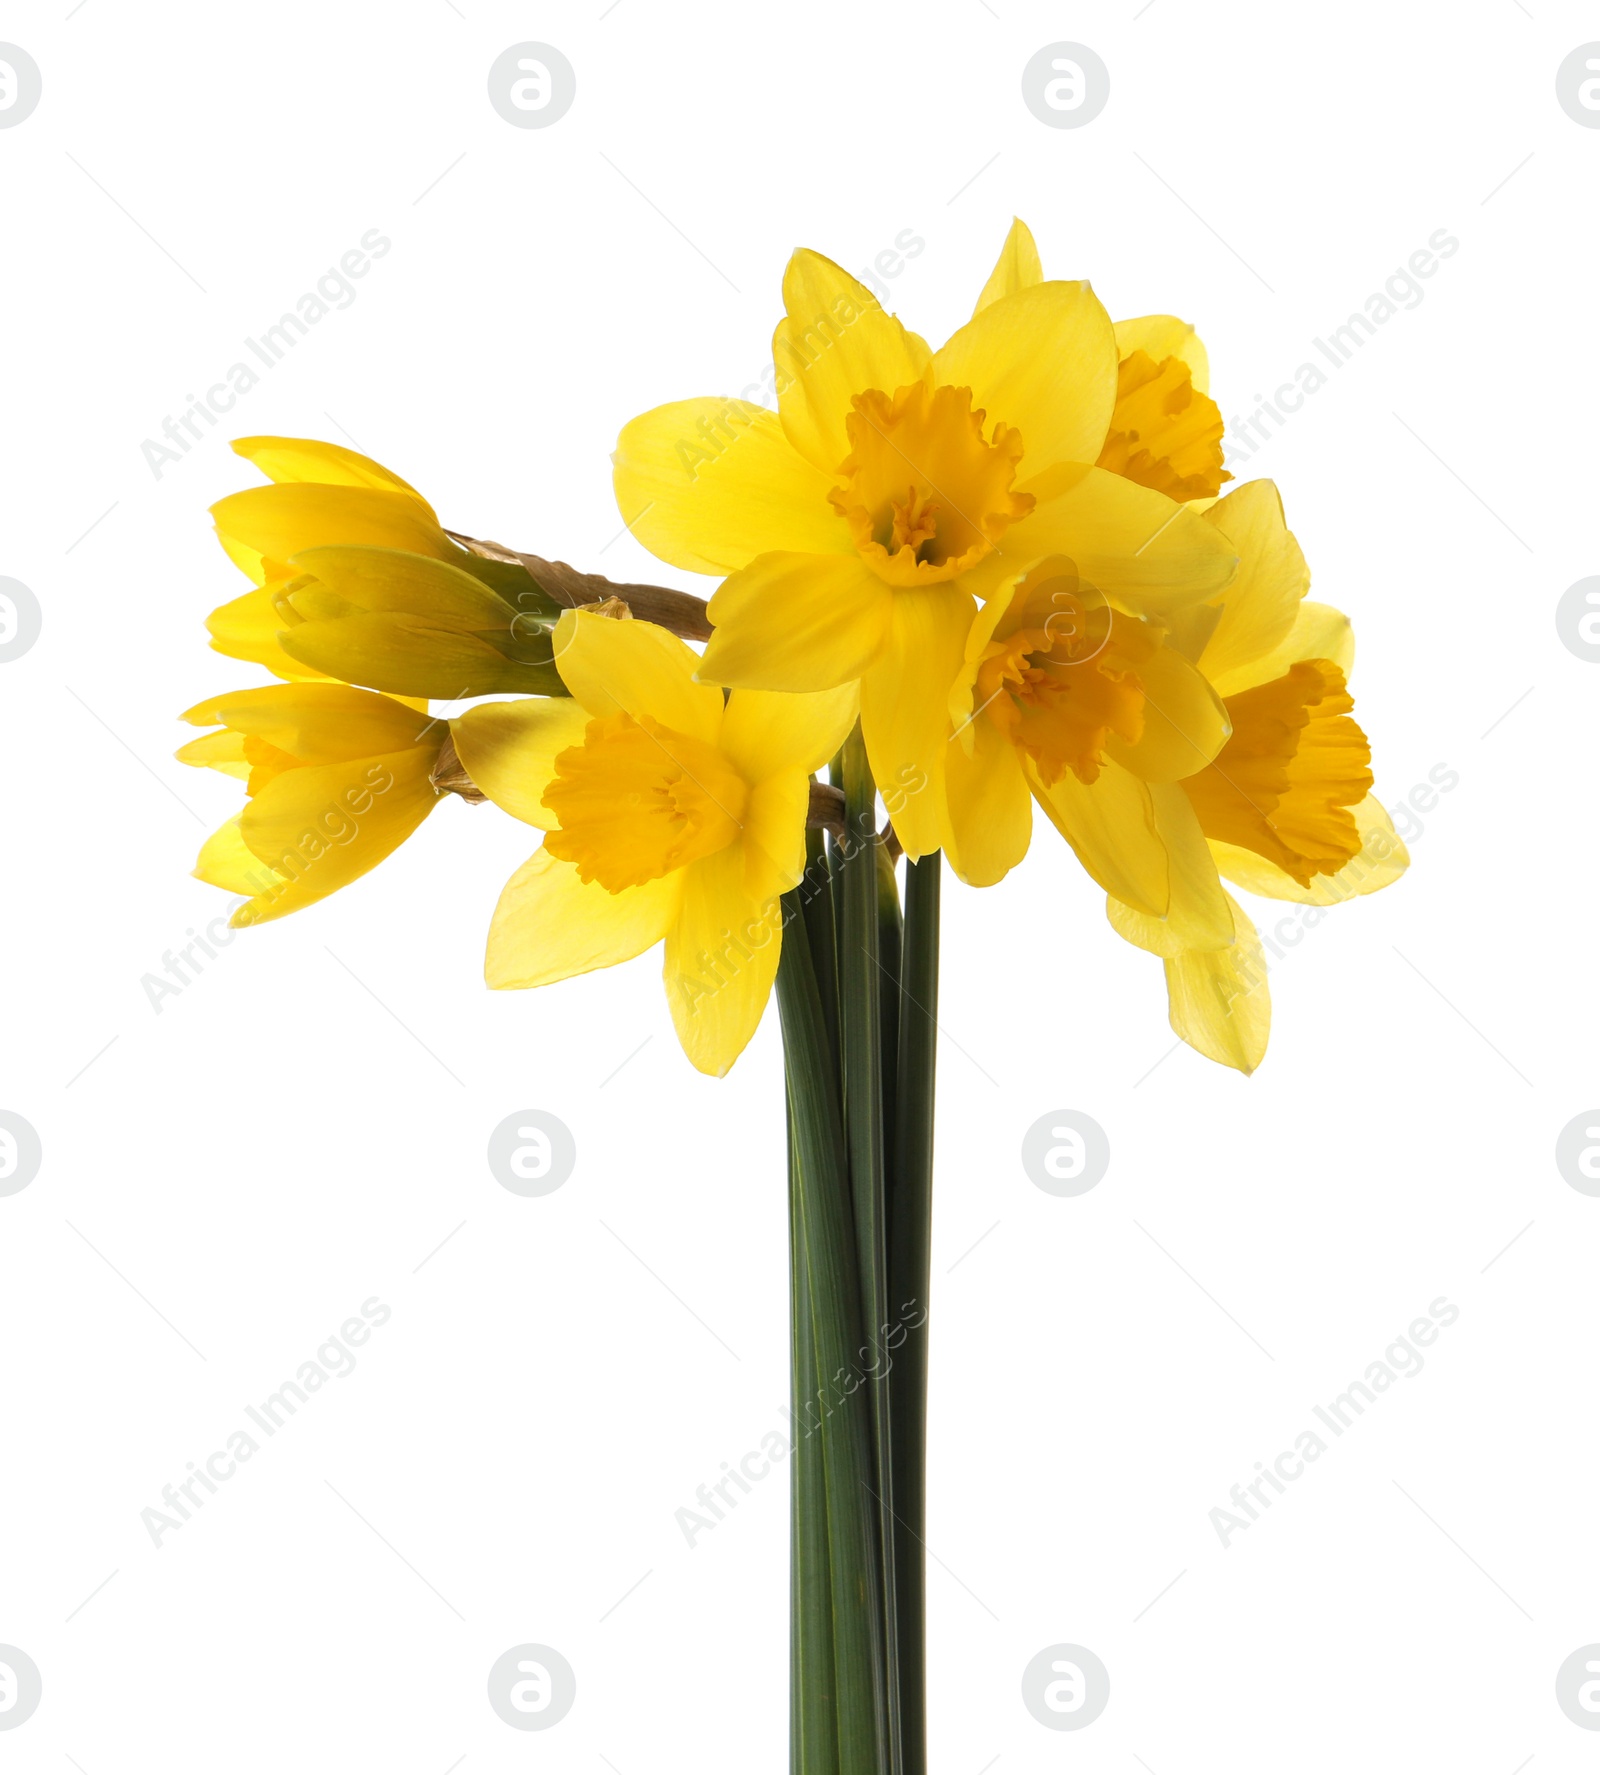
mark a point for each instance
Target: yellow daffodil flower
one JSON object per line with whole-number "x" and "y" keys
{"x": 1089, "y": 711}
{"x": 1165, "y": 430}
{"x": 671, "y": 814}
{"x": 1067, "y": 693}
{"x": 1063, "y": 694}
{"x": 355, "y": 580}
{"x": 336, "y": 778}
{"x": 894, "y": 487}
{"x": 1285, "y": 808}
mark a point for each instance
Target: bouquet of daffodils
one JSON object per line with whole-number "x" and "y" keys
{"x": 954, "y": 586}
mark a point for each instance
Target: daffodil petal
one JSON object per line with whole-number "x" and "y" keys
{"x": 710, "y": 484}
{"x": 834, "y": 342}
{"x": 264, "y": 527}
{"x": 721, "y": 959}
{"x": 1185, "y": 723}
{"x": 226, "y": 861}
{"x": 222, "y": 751}
{"x": 395, "y": 651}
{"x": 1198, "y": 915}
{"x": 248, "y": 628}
{"x": 963, "y": 689}
{"x": 991, "y": 811}
{"x": 1043, "y": 359}
{"x": 315, "y": 723}
{"x": 1382, "y": 860}
{"x": 1111, "y": 825}
{"x": 549, "y": 925}
{"x": 1319, "y": 632}
{"x": 635, "y": 668}
{"x": 1164, "y": 335}
{"x": 311, "y": 459}
{"x": 509, "y": 750}
{"x": 1017, "y": 268}
{"x": 765, "y": 732}
{"x": 321, "y": 827}
{"x": 905, "y": 716}
{"x": 1139, "y": 548}
{"x": 774, "y": 835}
{"x": 797, "y": 622}
{"x": 1260, "y": 606}
{"x": 1219, "y": 1002}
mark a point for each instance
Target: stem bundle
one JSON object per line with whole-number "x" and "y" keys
{"x": 856, "y": 992}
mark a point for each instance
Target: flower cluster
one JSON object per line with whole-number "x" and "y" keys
{"x": 1010, "y": 559}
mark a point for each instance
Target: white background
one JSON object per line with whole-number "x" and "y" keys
{"x": 301, "y": 1127}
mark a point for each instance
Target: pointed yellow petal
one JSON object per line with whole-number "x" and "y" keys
{"x": 774, "y": 835}
{"x": 797, "y": 622}
{"x": 1045, "y": 361}
{"x": 1382, "y": 859}
{"x": 1185, "y": 723}
{"x": 323, "y": 826}
{"x": 377, "y": 578}
{"x": 549, "y": 926}
{"x": 317, "y": 723}
{"x": 991, "y": 812}
{"x": 409, "y": 623}
{"x": 636, "y": 668}
{"x": 396, "y": 652}
{"x": 1164, "y": 335}
{"x": 1260, "y": 606}
{"x": 1198, "y": 916}
{"x": 1219, "y": 1002}
{"x": 1142, "y": 550}
{"x": 310, "y": 459}
{"x": 834, "y": 341}
{"x": 1319, "y": 632}
{"x": 905, "y": 710}
{"x": 248, "y": 628}
{"x": 264, "y": 527}
{"x": 1017, "y": 268}
{"x": 1111, "y": 825}
{"x": 226, "y": 861}
{"x": 721, "y": 959}
{"x": 765, "y": 732}
{"x": 509, "y": 750}
{"x": 710, "y": 484}
{"x": 222, "y": 751}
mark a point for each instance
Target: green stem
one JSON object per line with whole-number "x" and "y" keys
{"x": 853, "y": 1576}
{"x": 817, "y": 896}
{"x": 911, "y": 1222}
{"x": 813, "y": 1722}
{"x": 861, "y": 1069}
{"x": 890, "y": 937}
